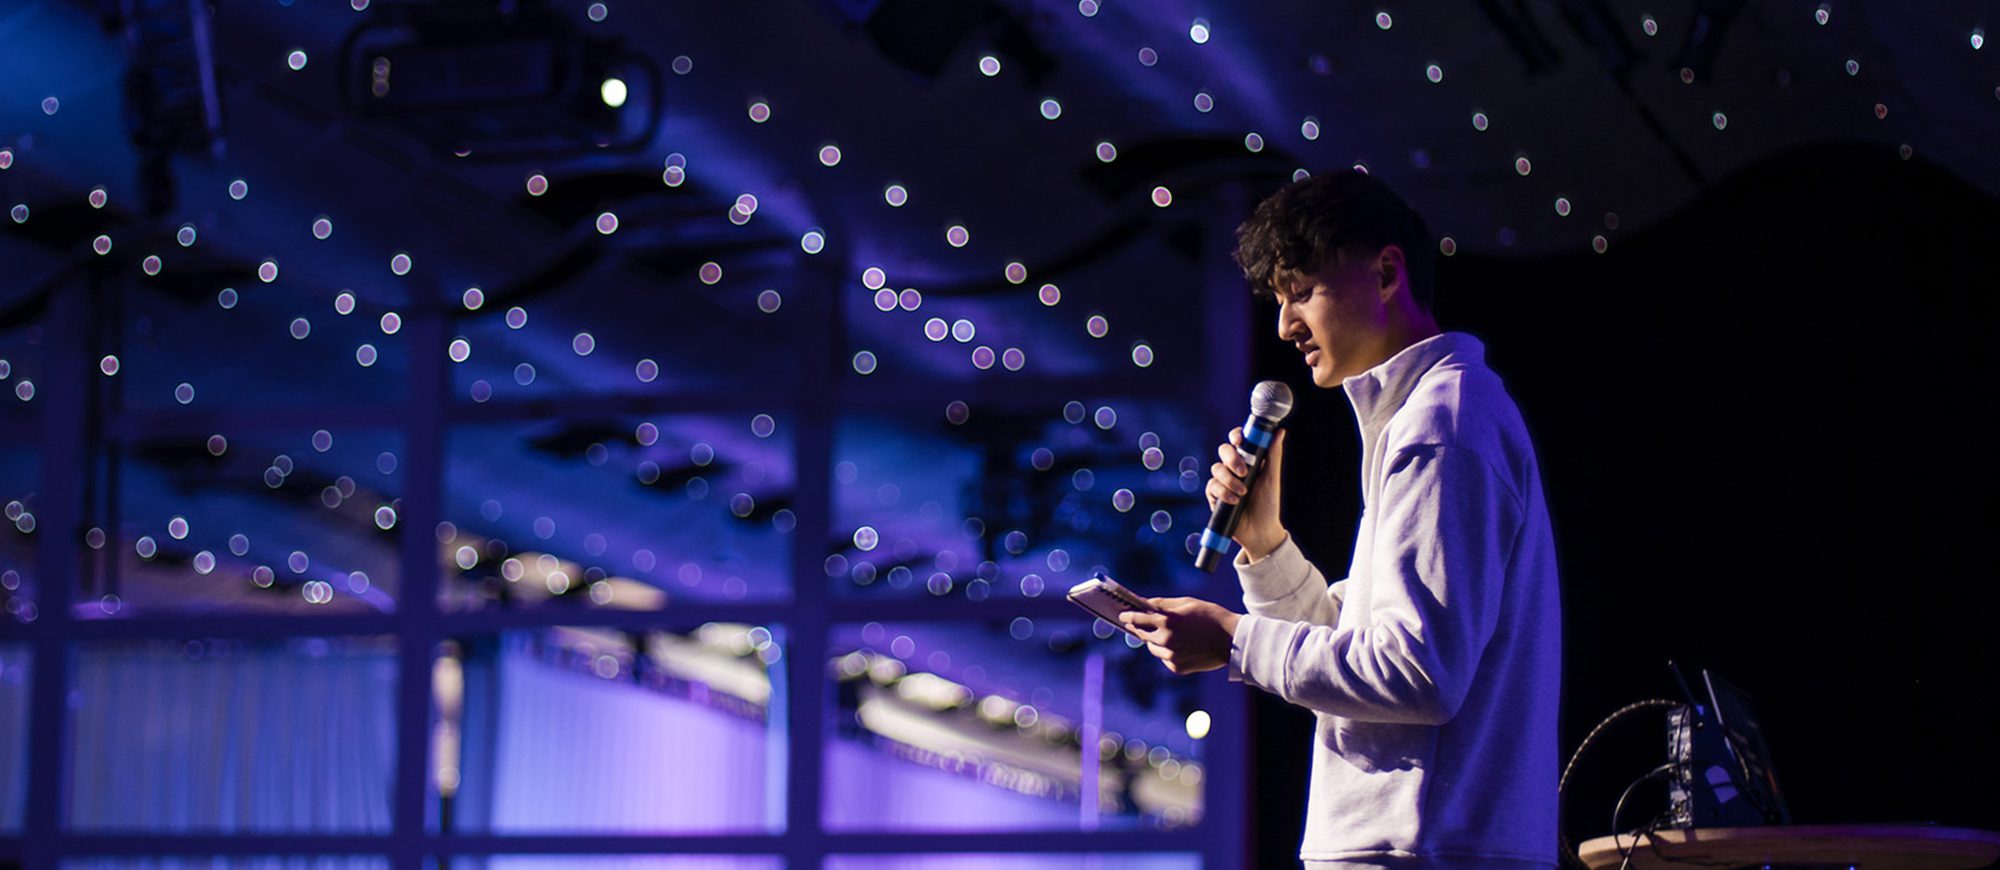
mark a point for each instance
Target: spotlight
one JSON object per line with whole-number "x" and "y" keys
{"x": 499, "y": 81}
{"x": 613, "y": 92}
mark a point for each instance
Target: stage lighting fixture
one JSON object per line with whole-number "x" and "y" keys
{"x": 172, "y": 105}
{"x": 499, "y": 81}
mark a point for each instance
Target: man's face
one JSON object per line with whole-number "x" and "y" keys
{"x": 1336, "y": 317}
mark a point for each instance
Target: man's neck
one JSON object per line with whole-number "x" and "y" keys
{"x": 1401, "y": 331}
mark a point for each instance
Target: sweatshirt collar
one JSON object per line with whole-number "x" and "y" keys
{"x": 1379, "y": 392}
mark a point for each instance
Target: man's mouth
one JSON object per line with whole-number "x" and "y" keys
{"x": 1312, "y": 355}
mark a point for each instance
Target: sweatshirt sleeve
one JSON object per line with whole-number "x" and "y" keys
{"x": 1447, "y": 527}
{"x": 1283, "y": 585}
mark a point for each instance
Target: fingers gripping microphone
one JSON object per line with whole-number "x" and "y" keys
{"x": 1270, "y": 403}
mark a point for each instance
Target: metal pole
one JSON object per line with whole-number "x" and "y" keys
{"x": 59, "y": 523}
{"x": 416, "y": 608}
{"x": 805, "y": 707}
{"x": 1226, "y": 809}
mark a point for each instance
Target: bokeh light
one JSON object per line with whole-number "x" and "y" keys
{"x": 613, "y": 92}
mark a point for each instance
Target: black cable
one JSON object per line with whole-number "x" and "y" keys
{"x": 1618, "y": 809}
{"x": 1620, "y": 713}
{"x": 1567, "y": 850}
{"x": 1647, "y": 833}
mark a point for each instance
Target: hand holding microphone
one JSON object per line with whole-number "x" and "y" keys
{"x": 1241, "y": 507}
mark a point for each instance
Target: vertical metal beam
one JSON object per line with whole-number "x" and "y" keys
{"x": 59, "y": 521}
{"x": 1226, "y": 308}
{"x": 416, "y": 607}
{"x": 1089, "y": 788}
{"x": 822, "y": 341}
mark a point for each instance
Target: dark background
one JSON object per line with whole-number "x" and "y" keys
{"x": 1755, "y": 409}
{"x": 1760, "y": 427}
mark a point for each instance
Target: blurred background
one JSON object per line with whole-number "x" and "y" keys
{"x": 630, "y": 434}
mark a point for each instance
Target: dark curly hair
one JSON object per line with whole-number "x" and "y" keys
{"x": 1306, "y": 223}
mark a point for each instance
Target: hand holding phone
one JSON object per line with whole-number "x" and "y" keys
{"x": 1106, "y": 598}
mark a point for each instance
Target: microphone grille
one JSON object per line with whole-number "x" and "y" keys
{"x": 1271, "y": 400}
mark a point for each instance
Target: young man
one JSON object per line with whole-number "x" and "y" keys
{"x": 1434, "y": 667}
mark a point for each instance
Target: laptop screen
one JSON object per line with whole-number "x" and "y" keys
{"x": 1745, "y": 740}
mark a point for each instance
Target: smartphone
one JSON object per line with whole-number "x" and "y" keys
{"x": 1104, "y": 597}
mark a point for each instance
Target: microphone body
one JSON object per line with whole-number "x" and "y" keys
{"x": 1270, "y": 403}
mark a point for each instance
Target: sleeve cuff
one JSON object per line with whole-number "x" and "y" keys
{"x": 1273, "y": 578}
{"x": 1239, "y": 642}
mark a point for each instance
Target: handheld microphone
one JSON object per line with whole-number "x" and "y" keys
{"x": 1270, "y": 403}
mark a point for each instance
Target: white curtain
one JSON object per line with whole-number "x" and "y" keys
{"x": 1014, "y": 862}
{"x": 572, "y": 752}
{"x": 318, "y": 862}
{"x": 618, "y": 862}
{"x": 278, "y": 737}
{"x": 867, "y": 789}
{"x": 298, "y": 737}
{"x": 15, "y": 661}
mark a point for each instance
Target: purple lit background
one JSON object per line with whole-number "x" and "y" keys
{"x": 708, "y": 502}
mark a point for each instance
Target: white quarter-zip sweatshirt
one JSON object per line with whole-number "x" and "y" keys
{"x": 1434, "y": 669}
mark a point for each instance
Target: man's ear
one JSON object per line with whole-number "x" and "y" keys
{"x": 1394, "y": 273}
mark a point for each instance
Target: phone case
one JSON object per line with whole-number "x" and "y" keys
{"x": 1104, "y": 597}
